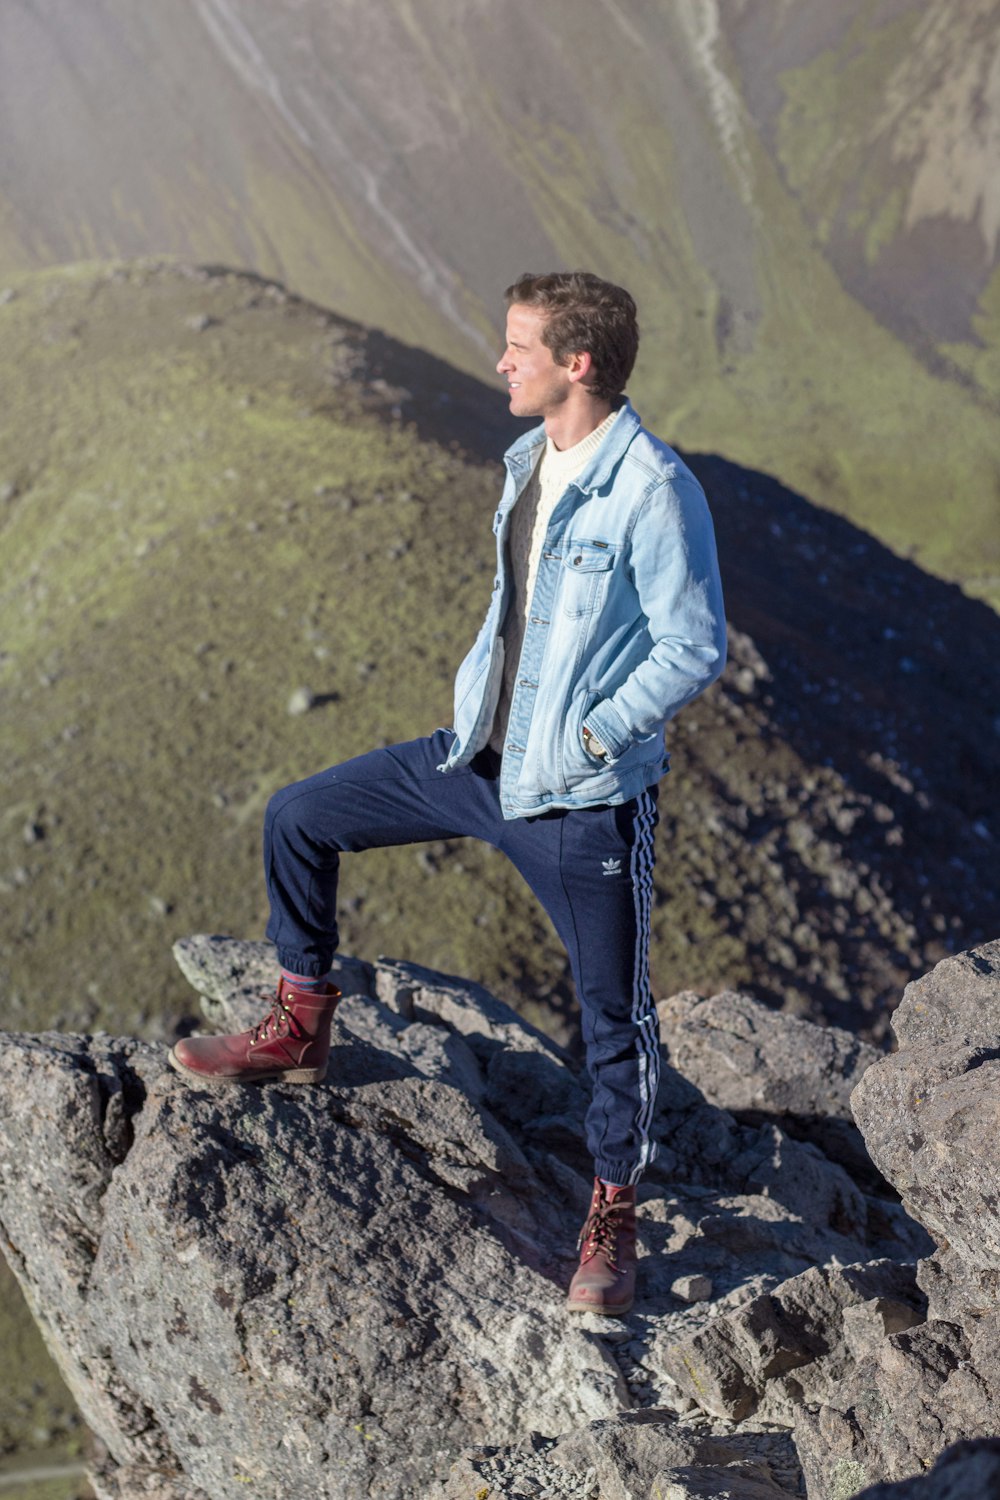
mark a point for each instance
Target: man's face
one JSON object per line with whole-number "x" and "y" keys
{"x": 536, "y": 384}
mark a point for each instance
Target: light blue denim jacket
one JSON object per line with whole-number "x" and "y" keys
{"x": 625, "y": 626}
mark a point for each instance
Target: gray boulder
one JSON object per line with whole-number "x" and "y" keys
{"x": 763, "y": 1064}
{"x": 917, "y": 1392}
{"x": 323, "y": 1292}
{"x": 793, "y": 1344}
{"x": 958, "y": 1001}
{"x": 334, "y": 1291}
{"x": 930, "y": 1115}
{"x": 965, "y": 1471}
{"x": 745, "y": 1056}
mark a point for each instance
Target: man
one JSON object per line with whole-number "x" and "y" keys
{"x": 606, "y": 618}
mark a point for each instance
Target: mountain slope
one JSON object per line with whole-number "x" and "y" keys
{"x": 801, "y": 197}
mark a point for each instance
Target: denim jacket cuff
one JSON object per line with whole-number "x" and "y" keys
{"x": 604, "y": 720}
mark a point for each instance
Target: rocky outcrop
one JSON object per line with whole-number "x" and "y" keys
{"x": 323, "y": 1292}
{"x": 879, "y": 1366}
{"x": 357, "y": 1289}
{"x": 642, "y": 1453}
{"x": 794, "y": 1344}
{"x": 930, "y": 1114}
{"x": 966, "y": 1471}
{"x": 761, "y": 1064}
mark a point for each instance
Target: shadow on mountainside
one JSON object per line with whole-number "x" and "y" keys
{"x": 877, "y": 668}
{"x": 403, "y": 382}
{"x": 444, "y": 405}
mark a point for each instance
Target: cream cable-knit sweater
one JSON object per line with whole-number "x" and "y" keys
{"x": 528, "y": 524}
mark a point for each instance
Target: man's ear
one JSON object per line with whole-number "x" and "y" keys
{"x": 580, "y": 365}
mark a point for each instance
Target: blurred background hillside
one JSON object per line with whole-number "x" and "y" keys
{"x": 803, "y": 197}
{"x": 252, "y": 256}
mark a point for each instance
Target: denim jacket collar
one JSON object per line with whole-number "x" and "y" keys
{"x": 522, "y": 455}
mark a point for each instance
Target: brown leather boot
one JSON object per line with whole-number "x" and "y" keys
{"x": 604, "y": 1282}
{"x": 290, "y": 1045}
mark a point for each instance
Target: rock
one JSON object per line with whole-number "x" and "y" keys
{"x": 236, "y": 980}
{"x": 931, "y": 1118}
{"x": 867, "y": 1324}
{"x": 762, "y": 1064}
{"x": 307, "y": 1289}
{"x": 919, "y": 1391}
{"x": 965, "y": 1471}
{"x": 65, "y": 1124}
{"x": 300, "y": 702}
{"x": 930, "y": 1115}
{"x": 717, "y": 1482}
{"x": 954, "y": 1288}
{"x": 636, "y": 1454}
{"x": 133, "y": 1482}
{"x": 821, "y": 1194}
{"x": 957, "y": 1002}
{"x": 692, "y": 1288}
{"x": 486, "y": 1022}
{"x": 343, "y": 1290}
{"x": 744, "y": 1056}
{"x": 787, "y": 1346}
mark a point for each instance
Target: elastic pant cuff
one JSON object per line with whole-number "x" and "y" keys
{"x": 627, "y": 1173}
{"x": 305, "y": 967}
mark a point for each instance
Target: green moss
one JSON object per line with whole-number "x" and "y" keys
{"x": 38, "y": 1418}
{"x": 68, "y": 1486}
{"x": 820, "y": 130}
{"x": 981, "y": 361}
{"x": 882, "y": 223}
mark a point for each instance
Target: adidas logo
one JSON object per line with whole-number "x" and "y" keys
{"x": 611, "y": 866}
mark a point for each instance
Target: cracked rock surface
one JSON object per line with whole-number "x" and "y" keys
{"x": 930, "y": 1114}
{"x": 761, "y": 1064}
{"x": 356, "y": 1289}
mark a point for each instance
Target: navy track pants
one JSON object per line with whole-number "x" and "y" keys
{"x": 591, "y": 868}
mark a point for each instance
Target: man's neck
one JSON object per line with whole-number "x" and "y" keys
{"x": 570, "y": 425}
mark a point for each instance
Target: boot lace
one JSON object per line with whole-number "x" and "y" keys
{"x": 600, "y": 1232}
{"x": 279, "y": 1022}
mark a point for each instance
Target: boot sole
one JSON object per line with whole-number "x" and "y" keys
{"x": 220, "y": 1081}
{"x": 604, "y": 1312}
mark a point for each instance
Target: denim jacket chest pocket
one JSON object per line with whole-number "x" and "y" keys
{"x": 586, "y": 568}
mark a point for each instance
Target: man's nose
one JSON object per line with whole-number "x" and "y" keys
{"x": 503, "y": 363}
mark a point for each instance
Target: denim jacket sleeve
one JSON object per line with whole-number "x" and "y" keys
{"x": 675, "y": 572}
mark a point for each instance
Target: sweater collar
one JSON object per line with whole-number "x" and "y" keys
{"x": 599, "y": 465}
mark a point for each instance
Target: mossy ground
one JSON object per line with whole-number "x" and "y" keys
{"x": 39, "y": 1423}
{"x": 69, "y": 1486}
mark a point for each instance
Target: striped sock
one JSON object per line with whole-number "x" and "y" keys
{"x": 306, "y": 981}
